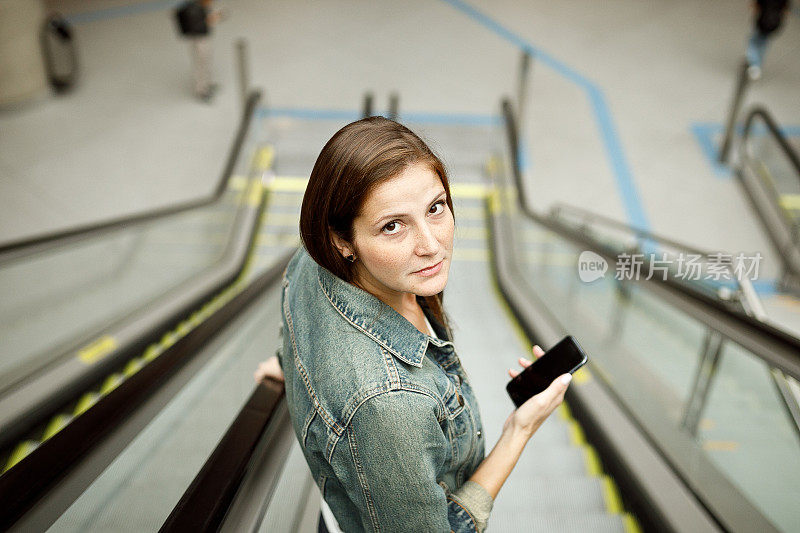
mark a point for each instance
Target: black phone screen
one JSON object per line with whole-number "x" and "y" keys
{"x": 565, "y": 357}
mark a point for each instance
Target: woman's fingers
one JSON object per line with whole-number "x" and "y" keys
{"x": 513, "y": 373}
{"x": 537, "y": 351}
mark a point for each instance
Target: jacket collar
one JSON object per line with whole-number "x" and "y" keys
{"x": 378, "y": 320}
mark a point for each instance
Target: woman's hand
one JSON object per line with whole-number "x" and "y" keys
{"x": 530, "y": 415}
{"x": 271, "y": 368}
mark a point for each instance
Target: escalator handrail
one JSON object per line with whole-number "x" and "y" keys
{"x": 775, "y": 131}
{"x": 560, "y": 207}
{"x": 18, "y": 248}
{"x": 774, "y": 346}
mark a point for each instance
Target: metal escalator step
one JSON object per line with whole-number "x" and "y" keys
{"x": 531, "y": 496}
{"x": 555, "y": 522}
{"x": 553, "y": 461}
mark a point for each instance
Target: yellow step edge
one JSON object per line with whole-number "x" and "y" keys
{"x": 237, "y": 183}
{"x": 133, "y": 366}
{"x": 576, "y": 435}
{"x": 582, "y": 375}
{"x": 151, "y": 352}
{"x": 468, "y": 190}
{"x": 611, "y": 495}
{"x": 85, "y": 402}
{"x": 111, "y": 383}
{"x": 592, "y": 461}
{"x": 630, "y": 524}
{"x": 22, "y": 450}
{"x": 97, "y": 349}
{"x": 264, "y": 157}
{"x": 56, "y": 424}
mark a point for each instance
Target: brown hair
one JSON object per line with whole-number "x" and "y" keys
{"x": 352, "y": 163}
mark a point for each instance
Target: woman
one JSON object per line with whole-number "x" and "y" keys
{"x": 380, "y": 404}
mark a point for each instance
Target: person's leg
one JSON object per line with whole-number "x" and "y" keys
{"x": 201, "y": 52}
{"x": 756, "y": 47}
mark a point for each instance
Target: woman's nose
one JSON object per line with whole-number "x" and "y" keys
{"x": 427, "y": 243}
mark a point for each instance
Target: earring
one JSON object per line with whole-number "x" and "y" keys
{"x": 351, "y": 258}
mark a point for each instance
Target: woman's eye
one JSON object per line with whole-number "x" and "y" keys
{"x": 437, "y": 208}
{"x": 391, "y": 228}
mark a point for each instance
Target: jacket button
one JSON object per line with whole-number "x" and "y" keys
{"x": 478, "y": 434}
{"x": 460, "y": 399}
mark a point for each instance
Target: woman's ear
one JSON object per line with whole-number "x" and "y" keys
{"x": 342, "y": 245}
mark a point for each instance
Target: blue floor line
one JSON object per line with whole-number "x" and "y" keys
{"x": 706, "y": 134}
{"x": 121, "y": 11}
{"x": 709, "y": 136}
{"x": 605, "y": 122}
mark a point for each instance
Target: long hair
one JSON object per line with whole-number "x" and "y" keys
{"x": 352, "y": 163}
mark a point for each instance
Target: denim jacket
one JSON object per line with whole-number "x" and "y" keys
{"x": 385, "y": 415}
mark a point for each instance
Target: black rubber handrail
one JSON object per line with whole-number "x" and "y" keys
{"x": 774, "y": 346}
{"x": 611, "y": 420}
{"x": 16, "y": 249}
{"x": 560, "y": 207}
{"x": 775, "y": 130}
{"x": 206, "y": 501}
{"x": 28, "y": 481}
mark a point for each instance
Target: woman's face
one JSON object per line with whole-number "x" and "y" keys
{"x": 404, "y": 228}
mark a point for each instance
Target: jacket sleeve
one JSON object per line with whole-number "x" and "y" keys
{"x": 388, "y": 460}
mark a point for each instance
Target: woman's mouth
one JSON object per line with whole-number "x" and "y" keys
{"x": 430, "y": 271}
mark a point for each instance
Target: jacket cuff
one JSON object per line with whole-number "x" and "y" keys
{"x": 477, "y": 501}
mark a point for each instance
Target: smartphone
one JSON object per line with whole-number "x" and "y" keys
{"x": 565, "y": 357}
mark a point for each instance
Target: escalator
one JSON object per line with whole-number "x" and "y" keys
{"x": 769, "y": 172}
{"x": 663, "y": 431}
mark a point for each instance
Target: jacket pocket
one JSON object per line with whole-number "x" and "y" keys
{"x": 454, "y": 403}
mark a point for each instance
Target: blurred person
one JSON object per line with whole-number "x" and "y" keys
{"x": 195, "y": 20}
{"x": 768, "y": 18}
{"x": 381, "y": 406}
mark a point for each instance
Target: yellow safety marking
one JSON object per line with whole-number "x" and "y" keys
{"x": 184, "y": 327}
{"x": 470, "y": 213}
{"x": 613, "y": 501}
{"x": 576, "y": 435}
{"x": 277, "y": 239}
{"x": 470, "y": 254}
{"x": 133, "y": 366}
{"x": 493, "y": 164}
{"x": 254, "y": 193}
{"x": 472, "y": 232}
{"x": 286, "y": 198}
{"x": 721, "y": 445}
{"x": 86, "y": 401}
{"x": 22, "y": 450}
{"x": 288, "y": 184}
{"x": 707, "y": 424}
{"x": 468, "y": 190}
{"x": 564, "y": 412}
{"x": 582, "y": 375}
{"x": 790, "y": 201}
{"x": 630, "y": 524}
{"x": 56, "y": 424}
{"x": 495, "y": 205}
{"x": 168, "y": 339}
{"x": 592, "y": 461}
{"x": 263, "y": 158}
{"x": 111, "y": 383}
{"x": 151, "y": 353}
{"x": 98, "y": 349}
{"x": 551, "y": 258}
{"x": 283, "y": 220}
{"x": 237, "y": 183}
